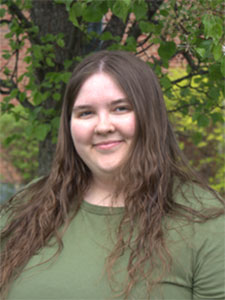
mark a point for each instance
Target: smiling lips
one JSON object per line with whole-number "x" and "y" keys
{"x": 107, "y": 145}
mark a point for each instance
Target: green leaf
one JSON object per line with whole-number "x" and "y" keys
{"x": 57, "y": 96}
{"x": 33, "y": 115}
{"x": 37, "y": 97}
{"x": 213, "y": 27}
{"x": 215, "y": 72}
{"x": 41, "y": 131}
{"x": 217, "y": 117}
{"x": 156, "y": 41}
{"x": 60, "y": 43}
{"x": 217, "y": 51}
{"x": 9, "y": 35}
{"x": 14, "y": 93}
{"x": 34, "y": 29}
{"x": 131, "y": 44}
{"x": 14, "y": 45}
{"x": 128, "y": 2}
{"x": 48, "y": 38}
{"x": 73, "y": 14}
{"x": 120, "y": 9}
{"x": 78, "y": 8}
{"x": 22, "y": 96}
{"x": 165, "y": 63}
{"x": 140, "y": 9}
{"x": 55, "y": 122}
{"x": 201, "y": 52}
{"x": 7, "y": 71}
{"x": 214, "y": 93}
{"x": 6, "y": 106}
{"x": 49, "y": 62}
{"x": 202, "y": 120}
{"x": 165, "y": 82}
{"x": 66, "y": 76}
{"x": 197, "y": 138}
{"x": 167, "y": 50}
{"x": 147, "y": 27}
{"x": 10, "y": 139}
{"x": 164, "y": 12}
{"x": 27, "y": 59}
{"x": 49, "y": 112}
{"x": 37, "y": 52}
{"x": 222, "y": 68}
{"x": 6, "y": 56}
{"x": 105, "y": 36}
{"x": 214, "y": 3}
{"x": 217, "y": 31}
{"x": 2, "y": 12}
{"x": 208, "y": 24}
{"x": 92, "y": 13}
{"x": 67, "y": 63}
{"x": 158, "y": 28}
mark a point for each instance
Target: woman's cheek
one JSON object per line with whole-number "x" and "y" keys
{"x": 80, "y": 131}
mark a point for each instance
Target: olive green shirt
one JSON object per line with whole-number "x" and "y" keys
{"x": 198, "y": 270}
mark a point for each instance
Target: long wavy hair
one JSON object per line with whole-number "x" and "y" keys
{"x": 146, "y": 179}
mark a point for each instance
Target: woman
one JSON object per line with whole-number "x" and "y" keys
{"x": 121, "y": 215}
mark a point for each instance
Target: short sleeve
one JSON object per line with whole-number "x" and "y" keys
{"x": 209, "y": 260}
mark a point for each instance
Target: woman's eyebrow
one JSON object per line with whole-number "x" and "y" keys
{"x": 80, "y": 107}
{"x": 119, "y": 101}
{"x": 88, "y": 106}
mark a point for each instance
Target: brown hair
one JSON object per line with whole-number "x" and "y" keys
{"x": 146, "y": 179}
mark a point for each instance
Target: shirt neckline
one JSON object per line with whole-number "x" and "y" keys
{"x": 101, "y": 210}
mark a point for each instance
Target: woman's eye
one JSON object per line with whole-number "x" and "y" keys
{"x": 84, "y": 114}
{"x": 122, "y": 109}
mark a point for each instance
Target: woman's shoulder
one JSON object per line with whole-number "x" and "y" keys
{"x": 198, "y": 241}
{"x": 199, "y": 218}
{"x": 17, "y": 200}
{"x": 197, "y": 197}
{"x": 198, "y": 211}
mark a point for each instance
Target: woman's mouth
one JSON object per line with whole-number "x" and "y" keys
{"x": 107, "y": 145}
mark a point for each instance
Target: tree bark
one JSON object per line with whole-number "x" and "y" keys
{"x": 53, "y": 19}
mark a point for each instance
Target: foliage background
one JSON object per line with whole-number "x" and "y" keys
{"x": 181, "y": 40}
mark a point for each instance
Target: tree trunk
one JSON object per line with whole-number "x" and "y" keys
{"x": 53, "y": 18}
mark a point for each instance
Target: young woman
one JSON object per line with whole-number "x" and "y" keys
{"x": 120, "y": 215}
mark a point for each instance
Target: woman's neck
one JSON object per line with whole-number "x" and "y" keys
{"x": 101, "y": 193}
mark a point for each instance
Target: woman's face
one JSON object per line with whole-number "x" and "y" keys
{"x": 102, "y": 124}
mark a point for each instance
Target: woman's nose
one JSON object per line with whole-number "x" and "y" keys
{"x": 104, "y": 124}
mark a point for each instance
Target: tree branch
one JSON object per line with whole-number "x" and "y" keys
{"x": 180, "y": 23}
{"x": 153, "y": 6}
{"x": 9, "y": 84}
{"x": 7, "y": 62}
{"x": 4, "y": 21}
{"x": 201, "y": 72}
{"x": 13, "y": 85}
{"x": 182, "y": 106}
{"x": 145, "y": 40}
{"x": 25, "y": 23}
{"x": 14, "y": 73}
{"x": 143, "y": 50}
{"x": 116, "y": 27}
{"x": 189, "y": 59}
{"x": 14, "y": 10}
